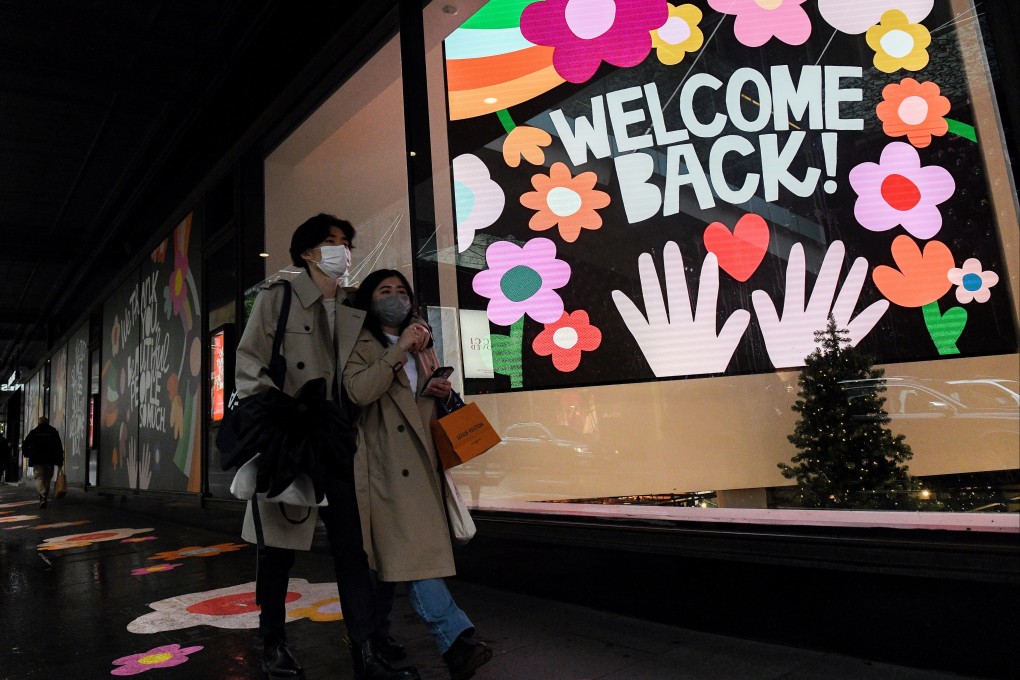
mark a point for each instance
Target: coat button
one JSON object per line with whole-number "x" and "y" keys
{"x": 308, "y": 328}
{"x": 400, "y": 428}
{"x": 405, "y": 473}
{"x": 300, "y": 364}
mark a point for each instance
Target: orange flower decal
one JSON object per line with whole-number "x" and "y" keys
{"x": 568, "y": 201}
{"x": 527, "y": 142}
{"x": 913, "y": 109}
{"x": 195, "y": 551}
{"x": 922, "y": 277}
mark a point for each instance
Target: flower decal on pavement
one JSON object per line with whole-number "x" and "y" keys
{"x": 898, "y": 43}
{"x": 230, "y": 608}
{"x": 323, "y": 610}
{"x": 899, "y": 191}
{"x": 160, "y": 657}
{"x": 565, "y": 339}
{"x": 17, "y": 518}
{"x": 81, "y": 540}
{"x": 972, "y": 283}
{"x": 61, "y": 525}
{"x": 154, "y": 569}
{"x": 195, "y": 551}
{"x": 525, "y": 142}
{"x": 758, "y": 21}
{"x": 913, "y": 109}
{"x": 479, "y": 200}
{"x": 139, "y": 539}
{"x": 568, "y": 201}
{"x": 522, "y": 281}
{"x": 679, "y": 36}
{"x": 922, "y": 276}
{"x": 857, "y": 17}
{"x": 584, "y": 33}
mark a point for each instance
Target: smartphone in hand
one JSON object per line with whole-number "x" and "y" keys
{"x": 441, "y": 373}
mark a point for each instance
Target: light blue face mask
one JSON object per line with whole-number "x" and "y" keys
{"x": 391, "y": 310}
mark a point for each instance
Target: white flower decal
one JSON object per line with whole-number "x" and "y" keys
{"x": 232, "y": 607}
{"x": 479, "y": 200}
{"x": 857, "y": 17}
{"x": 971, "y": 282}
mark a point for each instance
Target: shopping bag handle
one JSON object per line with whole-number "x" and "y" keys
{"x": 452, "y": 403}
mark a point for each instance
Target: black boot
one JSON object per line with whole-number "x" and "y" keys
{"x": 368, "y": 665}
{"x": 388, "y": 647}
{"x": 465, "y": 656}
{"x": 278, "y": 662}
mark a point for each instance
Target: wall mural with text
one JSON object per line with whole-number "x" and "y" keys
{"x": 151, "y": 375}
{"x": 58, "y": 394}
{"x": 651, "y": 190}
{"x": 75, "y": 445}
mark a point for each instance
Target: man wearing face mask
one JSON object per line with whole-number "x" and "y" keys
{"x": 320, "y": 333}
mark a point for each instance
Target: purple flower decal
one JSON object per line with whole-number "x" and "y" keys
{"x": 522, "y": 281}
{"x": 160, "y": 657}
{"x": 758, "y": 21}
{"x": 584, "y": 33}
{"x": 899, "y": 191}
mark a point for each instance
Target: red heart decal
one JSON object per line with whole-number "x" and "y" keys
{"x": 742, "y": 250}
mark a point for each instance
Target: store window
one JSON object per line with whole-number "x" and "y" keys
{"x": 645, "y": 212}
{"x": 347, "y": 159}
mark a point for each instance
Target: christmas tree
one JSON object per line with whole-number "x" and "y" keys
{"x": 847, "y": 456}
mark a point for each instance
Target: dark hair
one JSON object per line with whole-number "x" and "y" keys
{"x": 363, "y": 300}
{"x": 314, "y": 231}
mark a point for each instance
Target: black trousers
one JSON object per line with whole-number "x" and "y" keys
{"x": 353, "y": 577}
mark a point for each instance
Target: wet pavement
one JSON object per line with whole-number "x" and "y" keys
{"x": 93, "y": 586}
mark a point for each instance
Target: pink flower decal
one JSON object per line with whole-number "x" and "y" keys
{"x": 522, "y": 281}
{"x": 758, "y": 21}
{"x": 160, "y": 657}
{"x": 899, "y": 191}
{"x": 584, "y": 33}
{"x": 971, "y": 282}
{"x": 154, "y": 569}
{"x": 857, "y": 17}
{"x": 565, "y": 339}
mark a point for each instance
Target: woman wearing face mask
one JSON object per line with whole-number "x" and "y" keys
{"x": 397, "y": 475}
{"x": 321, "y": 330}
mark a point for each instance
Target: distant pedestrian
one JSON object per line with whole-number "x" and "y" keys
{"x": 45, "y": 453}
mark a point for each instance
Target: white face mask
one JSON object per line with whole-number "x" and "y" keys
{"x": 334, "y": 261}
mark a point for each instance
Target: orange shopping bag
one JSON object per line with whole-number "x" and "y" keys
{"x": 463, "y": 434}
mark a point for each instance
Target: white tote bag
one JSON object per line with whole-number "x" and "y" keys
{"x": 300, "y": 492}
{"x": 462, "y": 527}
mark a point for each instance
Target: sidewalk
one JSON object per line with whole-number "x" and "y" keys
{"x": 132, "y": 582}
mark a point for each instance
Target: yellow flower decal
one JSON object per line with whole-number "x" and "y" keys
{"x": 679, "y": 35}
{"x": 323, "y": 610}
{"x": 899, "y": 43}
{"x": 525, "y": 141}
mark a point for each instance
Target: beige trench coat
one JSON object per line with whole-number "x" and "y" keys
{"x": 308, "y": 349}
{"x": 399, "y": 488}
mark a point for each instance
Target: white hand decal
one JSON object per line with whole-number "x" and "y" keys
{"x": 790, "y": 339}
{"x": 677, "y": 341}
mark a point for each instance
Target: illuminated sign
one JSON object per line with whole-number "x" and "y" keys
{"x": 216, "y": 374}
{"x": 645, "y": 190}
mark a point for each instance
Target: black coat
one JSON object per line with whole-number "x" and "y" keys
{"x": 43, "y": 447}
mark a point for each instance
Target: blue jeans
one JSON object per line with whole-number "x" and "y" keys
{"x": 434, "y": 604}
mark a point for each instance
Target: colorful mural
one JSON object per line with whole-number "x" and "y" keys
{"x": 151, "y": 377}
{"x": 693, "y": 188}
{"x": 75, "y": 445}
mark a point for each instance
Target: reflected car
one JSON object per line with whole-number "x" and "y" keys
{"x": 952, "y": 425}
